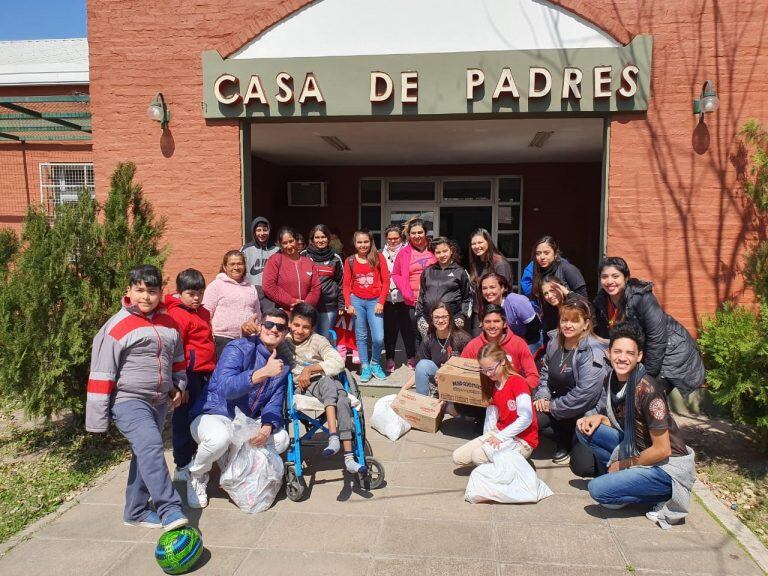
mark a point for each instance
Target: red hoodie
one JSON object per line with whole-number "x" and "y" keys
{"x": 517, "y": 351}
{"x": 196, "y": 333}
{"x": 287, "y": 281}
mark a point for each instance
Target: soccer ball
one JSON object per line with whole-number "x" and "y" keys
{"x": 179, "y": 550}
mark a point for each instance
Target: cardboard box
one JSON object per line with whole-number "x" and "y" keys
{"x": 459, "y": 381}
{"x": 421, "y": 412}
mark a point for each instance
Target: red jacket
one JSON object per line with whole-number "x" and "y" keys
{"x": 287, "y": 281}
{"x": 517, "y": 351}
{"x": 196, "y": 334}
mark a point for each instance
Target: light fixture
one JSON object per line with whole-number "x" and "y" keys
{"x": 539, "y": 139}
{"x": 708, "y": 100}
{"x": 335, "y": 142}
{"x": 158, "y": 110}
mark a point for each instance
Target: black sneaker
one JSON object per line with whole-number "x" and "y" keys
{"x": 561, "y": 456}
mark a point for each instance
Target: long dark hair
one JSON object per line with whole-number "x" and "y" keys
{"x": 621, "y": 265}
{"x": 319, "y": 228}
{"x": 481, "y": 302}
{"x": 538, "y": 271}
{"x": 373, "y": 254}
{"x": 453, "y": 330}
{"x": 476, "y": 266}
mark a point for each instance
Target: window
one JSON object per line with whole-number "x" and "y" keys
{"x": 64, "y": 182}
{"x": 418, "y": 190}
{"x": 467, "y": 190}
{"x": 306, "y": 194}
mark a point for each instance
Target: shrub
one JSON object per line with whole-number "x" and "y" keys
{"x": 63, "y": 285}
{"x": 734, "y": 343}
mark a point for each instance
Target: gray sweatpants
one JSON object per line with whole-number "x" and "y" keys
{"x": 142, "y": 425}
{"x": 331, "y": 393}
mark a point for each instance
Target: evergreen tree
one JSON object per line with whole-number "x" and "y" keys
{"x": 64, "y": 283}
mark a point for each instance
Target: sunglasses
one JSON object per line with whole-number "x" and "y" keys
{"x": 491, "y": 370}
{"x": 279, "y": 326}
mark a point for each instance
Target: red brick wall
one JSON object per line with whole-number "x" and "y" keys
{"x": 552, "y": 194}
{"x": 675, "y": 211}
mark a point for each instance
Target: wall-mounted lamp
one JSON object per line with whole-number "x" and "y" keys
{"x": 158, "y": 110}
{"x": 708, "y": 101}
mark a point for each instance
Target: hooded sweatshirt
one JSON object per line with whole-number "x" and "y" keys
{"x": 231, "y": 304}
{"x": 196, "y": 333}
{"x": 134, "y": 357}
{"x": 256, "y": 254}
{"x": 517, "y": 351}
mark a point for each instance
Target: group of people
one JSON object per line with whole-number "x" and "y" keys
{"x": 593, "y": 376}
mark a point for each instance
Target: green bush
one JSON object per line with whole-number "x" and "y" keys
{"x": 9, "y": 246}
{"x": 734, "y": 343}
{"x": 62, "y": 285}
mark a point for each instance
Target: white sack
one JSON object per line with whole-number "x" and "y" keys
{"x": 509, "y": 479}
{"x": 386, "y": 420}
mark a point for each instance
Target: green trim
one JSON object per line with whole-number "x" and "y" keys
{"x": 46, "y": 115}
{"x": 32, "y": 99}
{"x": 345, "y": 82}
{"x": 36, "y": 114}
{"x": 38, "y": 128}
{"x": 11, "y": 137}
{"x": 34, "y": 138}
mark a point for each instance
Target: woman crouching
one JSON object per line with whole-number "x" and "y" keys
{"x": 510, "y": 421}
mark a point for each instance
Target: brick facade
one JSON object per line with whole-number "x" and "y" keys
{"x": 675, "y": 211}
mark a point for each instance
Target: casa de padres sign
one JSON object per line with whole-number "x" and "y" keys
{"x": 586, "y": 80}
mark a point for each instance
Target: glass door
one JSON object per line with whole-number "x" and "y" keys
{"x": 399, "y": 214}
{"x": 458, "y": 222}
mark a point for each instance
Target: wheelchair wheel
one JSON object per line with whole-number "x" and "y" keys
{"x": 295, "y": 487}
{"x": 375, "y": 477}
{"x": 367, "y": 448}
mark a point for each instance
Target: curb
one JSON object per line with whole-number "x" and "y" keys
{"x": 732, "y": 524}
{"x": 27, "y": 533}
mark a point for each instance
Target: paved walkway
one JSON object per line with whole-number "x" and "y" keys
{"x": 417, "y": 524}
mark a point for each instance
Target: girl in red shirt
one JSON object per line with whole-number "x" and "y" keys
{"x": 510, "y": 421}
{"x": 366, "y": 285}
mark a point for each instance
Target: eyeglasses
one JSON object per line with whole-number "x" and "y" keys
{"x": 279, "y": 326}
{"x": 492, "y": 369}
{"x": 439, "y": 318}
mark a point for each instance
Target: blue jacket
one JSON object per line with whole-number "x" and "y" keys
{"x": 230, "y": 386}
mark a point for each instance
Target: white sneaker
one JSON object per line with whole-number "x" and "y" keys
{"x": 181, "y": 474}
{"x": 197, "y": 491}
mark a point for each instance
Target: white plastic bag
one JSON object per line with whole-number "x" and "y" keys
{"x": 508, "y": 479}
{"x": 386, "y": 420}
{"x": 251, "y": 476}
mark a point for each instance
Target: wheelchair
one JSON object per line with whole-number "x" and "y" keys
{"x": 295, "y": 418}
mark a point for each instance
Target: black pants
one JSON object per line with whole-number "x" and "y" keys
{"x": 583, "y": 462}
{"x": 220, "y": 342}
{"x": 414, "y": 327}
{"x": 398, "y": 321}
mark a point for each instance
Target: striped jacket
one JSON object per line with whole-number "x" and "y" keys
{"x": 133, "y": 357}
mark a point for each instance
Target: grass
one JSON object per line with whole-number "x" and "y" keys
{"x": 43, "y": 465}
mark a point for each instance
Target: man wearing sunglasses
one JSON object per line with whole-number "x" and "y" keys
{"x": 251, "y": 375}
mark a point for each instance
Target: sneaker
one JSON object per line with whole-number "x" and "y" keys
{"x": 181, "y": 473}
{"x": 377, "y": 372}
{"x": 653, "y": 513}
{"x": 197, "y": 491}
{"x": 561, "y": 456}
{"x": 612, "y": 506}
{"x": 174, "y": 521}
{"x": 390, "y": 366}
{"x": 365, "y": 374}
{"x": 151, "y": 520}
{"x": 355, "y": 358}
{"x": 412, "y": 363}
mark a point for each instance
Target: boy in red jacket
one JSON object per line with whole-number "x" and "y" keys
{"x": 185, "y": 307}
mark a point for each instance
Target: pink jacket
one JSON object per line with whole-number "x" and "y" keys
{"x": 230, "y": 304}
{"x": 401, "y": 275}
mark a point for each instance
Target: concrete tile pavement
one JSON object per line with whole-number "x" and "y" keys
{"x": 417, "y": 524}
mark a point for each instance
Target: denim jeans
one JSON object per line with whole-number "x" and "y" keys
{"x": 425, "y": 373}
{"x": 636, "y": 485}
{"x": 325, "y": 322}
{"x": 365, "y": 318}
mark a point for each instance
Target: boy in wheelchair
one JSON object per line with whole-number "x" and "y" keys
{"x": 315, "y": 365}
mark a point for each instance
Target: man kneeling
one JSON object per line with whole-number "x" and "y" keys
{"x": 636, "y": 439}
{"x": 250, "y": 376}
{"x": 315, "y": 366}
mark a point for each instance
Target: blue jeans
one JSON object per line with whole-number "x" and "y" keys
{"x": 425, "y": 372}
{"x": 325, "y": 322}
{"x": 365, "y": 318}
{"x": 636, "y": 485}
{"x": 183, "y": 445}
{"x": 142, "y": 425}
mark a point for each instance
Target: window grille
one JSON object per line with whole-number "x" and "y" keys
{"x": 64, "y": 182}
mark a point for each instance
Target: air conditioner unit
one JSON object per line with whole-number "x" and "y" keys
{"x": 307, "y": 194}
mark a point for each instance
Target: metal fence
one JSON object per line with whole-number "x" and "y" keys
{"x": 64, "y": 182}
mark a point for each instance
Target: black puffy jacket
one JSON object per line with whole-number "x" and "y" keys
{"x": 450, "y": 285}
{"x": 670, "y": 351}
